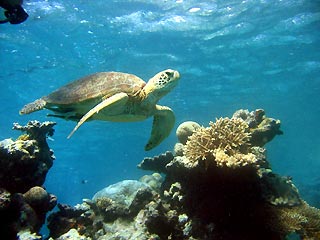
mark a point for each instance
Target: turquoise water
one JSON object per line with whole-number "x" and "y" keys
{"x": 230, "y": 54}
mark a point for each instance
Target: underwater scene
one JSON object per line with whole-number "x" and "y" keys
{"x": 149, "y": 119}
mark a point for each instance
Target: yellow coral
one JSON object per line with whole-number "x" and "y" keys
{"x": 226, "y": 140}
{"x": 24, "y": 137}
{"x": 236, "y": 160}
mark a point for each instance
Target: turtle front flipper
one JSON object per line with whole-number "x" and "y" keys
{"x": 163, "y": 123}
{"x": 117, "y": 99}
{"x": 37, "y": 105}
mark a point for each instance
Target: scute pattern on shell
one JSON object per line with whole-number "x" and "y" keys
{"x": 102, "y": 84}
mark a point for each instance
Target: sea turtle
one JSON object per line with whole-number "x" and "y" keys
{"x": 113, "y": 96}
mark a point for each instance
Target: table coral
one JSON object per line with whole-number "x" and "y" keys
{"x": 301, "y": 219}
{"x": 156, "y": 163}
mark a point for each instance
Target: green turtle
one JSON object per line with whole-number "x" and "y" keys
{"x": 113, "y": 96}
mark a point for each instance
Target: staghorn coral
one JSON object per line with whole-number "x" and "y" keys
{"x": 302, "y": 219}
{"x": 226, "y": 140}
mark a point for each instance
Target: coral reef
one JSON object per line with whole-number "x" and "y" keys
{"x": 116, "y": 212}
{"x": 279, "y": 191}
{"x": 27, "y": 235}
{"x": 226, "y": 134}
{"x": 301, "y": 219}
{"x": 154, "y": 181}
{"x": 158, "y": 162}
{"x": 72, "y": 234}
{"x": 185, "y": 130}
{"x": 218, "y": 184}
{"x": 222, "y": 186}
{"x": 226, "y": 142}
{"x": 24, "y": 164}
{"x": 262, "y": 128}
{"x": 122, "y": 199}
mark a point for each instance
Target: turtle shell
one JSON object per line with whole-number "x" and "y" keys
{"x": 102, "y": 84}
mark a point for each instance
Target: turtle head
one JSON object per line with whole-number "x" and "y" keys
{"x": 162, "y": 83}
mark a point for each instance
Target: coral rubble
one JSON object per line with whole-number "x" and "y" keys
{"x": 24, "y": 164}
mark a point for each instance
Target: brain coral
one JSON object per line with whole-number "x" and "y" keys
{"x": 226, "y": 140}
{"x": 185, "y": 130}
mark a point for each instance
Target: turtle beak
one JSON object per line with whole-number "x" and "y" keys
{"x": 176, "y": 74}
{"x": 172, "y": 73}
{"x": 174, "y": 78}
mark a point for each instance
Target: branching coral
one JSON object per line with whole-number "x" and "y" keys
{"x": 302, "y": 219}
{"x": 226, "y": 140}
{"x": 235, "y": 160}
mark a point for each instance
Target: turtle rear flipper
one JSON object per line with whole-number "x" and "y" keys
{"x": 34, "y": 106}
{"x": 67, "y": 117}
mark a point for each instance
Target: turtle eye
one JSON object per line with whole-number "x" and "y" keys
{"x": 169, "y": 74}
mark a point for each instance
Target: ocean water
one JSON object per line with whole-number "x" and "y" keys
{"x": 230, "y": 54}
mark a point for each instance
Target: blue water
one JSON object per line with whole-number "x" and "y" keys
{"x": 230, "y": 54}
